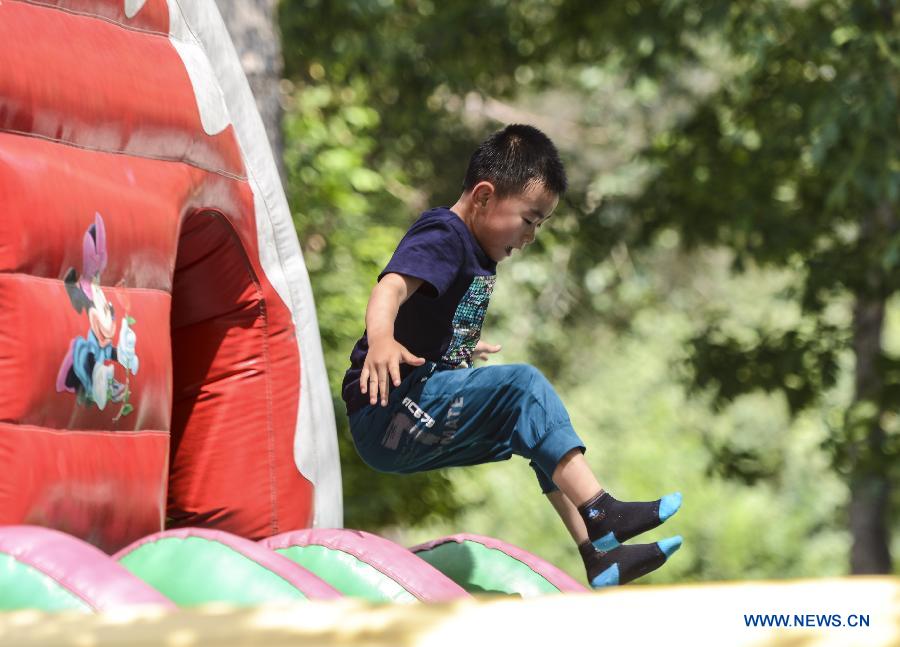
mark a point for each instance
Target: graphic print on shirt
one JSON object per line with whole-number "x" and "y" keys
{"x": 468, "y": 319}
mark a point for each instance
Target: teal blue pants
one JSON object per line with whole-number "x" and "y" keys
{"x": 442, "y": 417}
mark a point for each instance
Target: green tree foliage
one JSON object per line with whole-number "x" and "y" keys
{"x": 793, "y": 163}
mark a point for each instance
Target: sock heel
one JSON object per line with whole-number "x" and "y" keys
{"x": 609, "y": 577}
{"x": 606, "y": 543}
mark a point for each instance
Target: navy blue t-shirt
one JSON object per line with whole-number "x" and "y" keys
{"x": 442, "y": 320}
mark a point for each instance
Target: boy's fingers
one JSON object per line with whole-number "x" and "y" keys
{"x": 395, "y": 373}
{"x": 373, "y": 389}
{"x": 382, "y": 384}
{"x": 409, "y": 358}
{"x": 372, "y": 383}
{"x": 364, "y": 379}
{"x": 484, "y": 347}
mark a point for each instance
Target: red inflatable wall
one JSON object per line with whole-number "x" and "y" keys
{"x": 134, "y": 307}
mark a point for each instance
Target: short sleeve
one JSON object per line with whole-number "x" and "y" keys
{"x": 431, "y": 250}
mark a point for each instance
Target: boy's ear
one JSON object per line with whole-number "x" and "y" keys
{"x": 482, "y": 193}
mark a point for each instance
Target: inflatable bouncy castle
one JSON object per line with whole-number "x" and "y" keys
{"x": 161, "y": 359}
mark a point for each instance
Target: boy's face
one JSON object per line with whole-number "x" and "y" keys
{"x": 506, "y": 224}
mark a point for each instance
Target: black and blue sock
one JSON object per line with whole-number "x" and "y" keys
{"x": 610, "y": 522}
{"x": 625, "y": 563}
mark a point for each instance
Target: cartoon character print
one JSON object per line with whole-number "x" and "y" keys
{"x": 87, "y": 369}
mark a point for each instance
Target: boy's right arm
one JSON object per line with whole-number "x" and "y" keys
{"x": 385, "y": 353}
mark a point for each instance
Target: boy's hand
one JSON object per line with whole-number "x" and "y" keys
{"x": 482, "y": 349}
{"x": 382, "y": 361}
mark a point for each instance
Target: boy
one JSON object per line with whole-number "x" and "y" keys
{"x": 423, "y": 327}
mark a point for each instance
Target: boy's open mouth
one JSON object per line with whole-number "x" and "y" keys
{"x": 509, "y": 251}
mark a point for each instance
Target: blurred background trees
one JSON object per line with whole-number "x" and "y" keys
{"x": 716, "y": 298}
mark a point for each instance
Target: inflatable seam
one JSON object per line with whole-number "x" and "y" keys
{"x": 50, "y": 279}
{"x": 85, "y": 14}
{"x": 97, "y": 432}
{"x": 158, "y": 158}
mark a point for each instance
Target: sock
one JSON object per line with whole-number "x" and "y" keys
{"x": 610, "y": 522}
{"x": 625, "y": 563}
{"x": 587, "y": 551}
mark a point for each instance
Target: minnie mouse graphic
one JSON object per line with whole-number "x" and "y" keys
{"x": 87, "y": 368}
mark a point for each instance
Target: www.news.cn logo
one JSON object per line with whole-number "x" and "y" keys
{"x": 805, "y": 620}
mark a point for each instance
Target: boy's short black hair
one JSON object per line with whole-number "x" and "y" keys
{"x": 512, "y": 158}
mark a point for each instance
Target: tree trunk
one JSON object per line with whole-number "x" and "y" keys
{"x": 870, "y": 483}
{"x": 252, "y": 25}
{"x": 869, "y": 552}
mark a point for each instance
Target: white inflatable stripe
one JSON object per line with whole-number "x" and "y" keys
{"x": 210, "y": 101}
{"x": 200, "y": 26}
